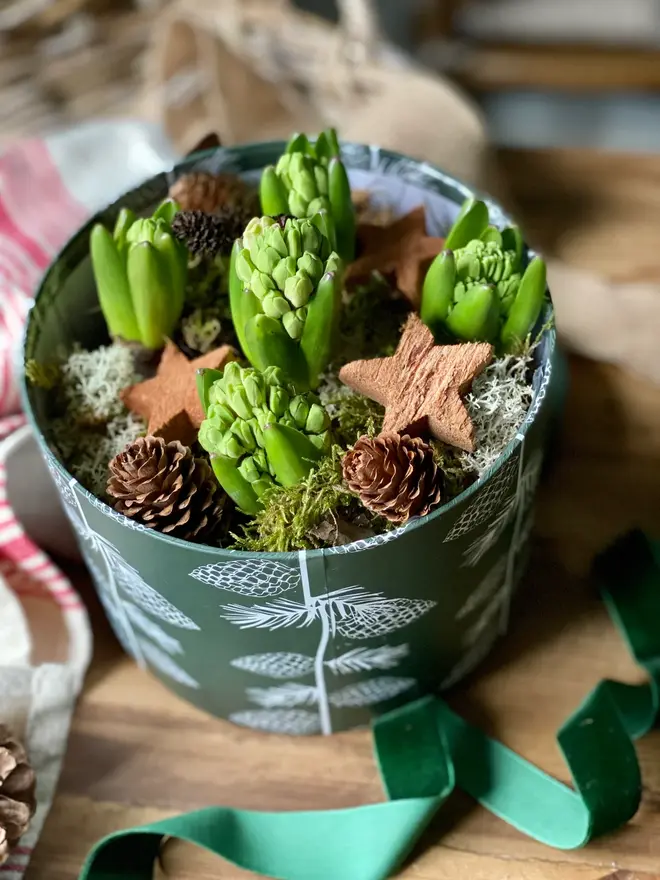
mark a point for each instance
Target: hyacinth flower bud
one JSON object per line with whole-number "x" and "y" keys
{"x": 140, "y": 270}
{"x": 259, "y": 431}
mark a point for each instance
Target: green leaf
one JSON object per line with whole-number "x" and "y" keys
{"x": 438, "y": 290}
{"x": 475, "y": 318}
{"x": 150, "y": 292}
{"x": 235, "y": 484}
{"x": 512, "y": 240}
{"x": 465, "y": 207}
{"x": 243, "y": 304}
{"x": 333, "y": 141}
{"x": 322, "y": 148}
{"x": 112, "y": 285}
{"x": 468, "y": 227}
{"x": 273, "y": 195}
{"x": 324, "y": 222}
{"x": 320, "y": 326}
{"x": 343, "y": 210}
{"x": 166, "y": 211}
{"x": 125, "y": 219}
{"x": 175, "y": 259}
{"x": 299, "y": 143}
{"x": 492, "y": 233}
{"x": 291, "y": 454}
{"x": 270, "y": 345}
{"x": 525, "y": 311}
{"x": 205, "y": 379}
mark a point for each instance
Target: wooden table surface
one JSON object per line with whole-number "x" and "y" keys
{"x": 137, "y": 753}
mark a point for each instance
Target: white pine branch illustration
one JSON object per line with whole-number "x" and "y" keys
{"x": 491, "y": 610}
{"x": 371, "y": 691}
{"x": 379, "y": 617}
{"x": 129, "y": 601}
{"x": 368, "y": 659}
{"x": 478, "y": 548}
{"x": 259, "y": 578}
{"x": 151, "y": 629}
{"x": 275, "y": 615}
{"x": 470, "y": 660}
{"x": 162, "y": 661}
{"x": 132, "y": 584}
{"x": 488, "y": 501}
{"x": 491, "y": 583}
{"x": 283, "y": 696}
{"x": 277, "y": 664}
{"x": 294, "y": 722}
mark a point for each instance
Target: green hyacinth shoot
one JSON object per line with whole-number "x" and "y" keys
{"x": 140, "y": 271}
{"x": 259, "y": 431}
{"x": 308, "y": 178}
{"x": 285, "y": 290}
{"x": 478, "y": 289}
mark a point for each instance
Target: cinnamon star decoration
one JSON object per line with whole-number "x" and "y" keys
{"x": 170, "y": 402}
{"x": 420, "y": 386}
{"x": 402, "y": 249}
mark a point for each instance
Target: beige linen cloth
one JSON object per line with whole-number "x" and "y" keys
{"x": 227, "y": 65}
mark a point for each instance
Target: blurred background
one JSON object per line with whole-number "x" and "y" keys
{"x": 547, "y": 73}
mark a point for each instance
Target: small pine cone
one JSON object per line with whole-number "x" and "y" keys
{"x": 394, "y": 476}
{"x": 17, "y": 799}
{"x": 209, "y": 234}
{"x": 200, "y": 191}
{"x": 163, "y": 486}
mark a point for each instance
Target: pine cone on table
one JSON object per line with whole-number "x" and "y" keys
{"x": 201, "y": 191}
{"x": 210, "y": 234}
{"x": 17, "y": 798}
{"x": 163, "y": 486}
{"x": 394, "y": 475}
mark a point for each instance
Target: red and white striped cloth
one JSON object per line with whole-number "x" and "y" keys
{"x": 47, "y": 188}
{"x": 37, "y": 214}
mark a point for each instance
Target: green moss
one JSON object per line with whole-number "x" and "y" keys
{"x": 371, "y": 320}
{"x": 46, "y": 376}
{"x": 208, "y": 279}
{"x": 456, "y": 478}
{"x": 354, "y": 415}
{"x": 291, "y": 515}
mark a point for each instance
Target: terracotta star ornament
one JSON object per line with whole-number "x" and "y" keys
{"x": 420, "y": 386}
{"x": 170, "y": 402}
{"x": 402, "y": 249}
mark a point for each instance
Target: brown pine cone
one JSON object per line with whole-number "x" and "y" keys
{"x": 200, "y": 191}
{"x": 163, "y": 486}
{"x": 394, "y": 476}
{"x": 17, "y": 799}
{"x": 210, "y": 234}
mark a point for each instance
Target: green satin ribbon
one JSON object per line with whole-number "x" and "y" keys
{"x": 424, "y": 750}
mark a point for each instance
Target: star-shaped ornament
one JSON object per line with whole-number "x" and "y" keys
{"x": 420, "y": 386}
{"x": 170, "y": 402}
{"x": 402, "y": 249}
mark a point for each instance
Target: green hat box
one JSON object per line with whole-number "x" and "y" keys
{"x": 316, "y": 641}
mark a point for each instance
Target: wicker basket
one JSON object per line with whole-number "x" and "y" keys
{"x": 66, "y": 61}
{"x": 259, "y": 69}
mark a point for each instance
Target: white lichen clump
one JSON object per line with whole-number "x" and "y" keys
{"x": 497, "y": 404}
{"x": 200, "y": 333}
{"x": 92, "y": 382}
{"x": 88, "y": 453}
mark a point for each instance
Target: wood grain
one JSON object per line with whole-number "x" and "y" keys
{"x": 138, "y": 753}
{"x": 581, "y": 69}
